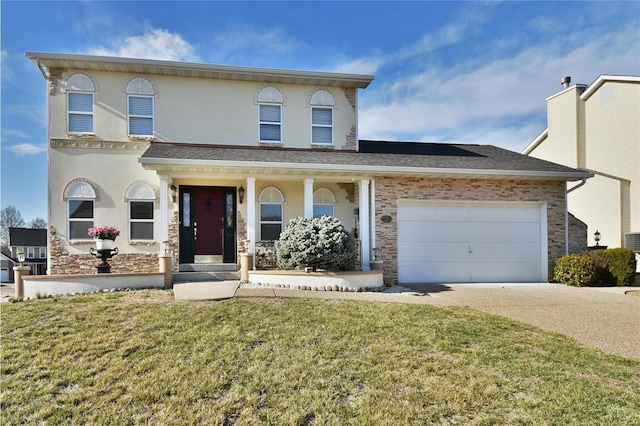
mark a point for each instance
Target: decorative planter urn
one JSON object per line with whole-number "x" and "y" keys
{"x": 104, "y": 244}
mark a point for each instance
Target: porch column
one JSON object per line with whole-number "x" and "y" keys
{"x": 164, "y": 208}
{"x": 372, "y": 217}
{"x": 251, "y": 214}
{"x": 365, "y": 232}
{"x": 308, "y": 198}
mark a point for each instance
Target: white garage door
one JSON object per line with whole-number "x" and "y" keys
{"x": 471, "y": 242}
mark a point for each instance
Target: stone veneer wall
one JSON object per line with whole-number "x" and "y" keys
{"x": 389, "y": 190}
{"x": 61, "y": 262}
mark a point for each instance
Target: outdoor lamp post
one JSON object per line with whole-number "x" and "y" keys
{"x": 596, "y": 237}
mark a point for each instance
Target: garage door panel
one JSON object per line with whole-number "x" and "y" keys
{"x": 469, "y": 243}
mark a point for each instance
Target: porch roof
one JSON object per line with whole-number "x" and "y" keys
{"x": 375, "y": 158}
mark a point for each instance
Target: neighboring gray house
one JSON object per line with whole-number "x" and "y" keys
{"x": 214, "y": 160}
{"x": 33, "y": 243}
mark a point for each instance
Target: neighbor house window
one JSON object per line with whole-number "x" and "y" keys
{"x": 271, "y": 209}
{"x": 323, "y": 202}
{"x": 140, "y": 107}
{"x": 270, "y": 101}
{"x": 31, "y": 252}
{"x": 80, "y": 196}
{"x": 141, "y": 197}
{"x": 80, "y": 99}
{"x": 43, "y": 252}
{"x": 322, "y": 105}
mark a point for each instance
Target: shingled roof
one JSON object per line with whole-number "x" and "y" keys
{"x": 375, "y": 158}
{"x": 27, "y": 237}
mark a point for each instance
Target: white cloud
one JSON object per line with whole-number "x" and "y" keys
{"x": 241, "y": 40}
{"x": 154, "y": 44}
{"x": 27, "y": 149}
{"x": 485, "y": 99}
{"x": 364, "y": 65}
{"x": 16, "y": 133}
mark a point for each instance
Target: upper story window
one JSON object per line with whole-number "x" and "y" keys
{"x": 322, "y": 105}
{"x": 80, "y": 90}
{"x": 141, "y": 197}
{"x": 43, "y": 252}
{"x": 140, "y": 93}
{"x": 81, "y": 197}
{"x": 271, "y": 208}
{"x": 323, "y": 202}
{"x": 270, "y": 101}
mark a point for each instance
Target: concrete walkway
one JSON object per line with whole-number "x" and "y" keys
{"x": 604, "y": 318}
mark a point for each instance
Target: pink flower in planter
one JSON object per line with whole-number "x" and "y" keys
{"x": 104, "y": 232}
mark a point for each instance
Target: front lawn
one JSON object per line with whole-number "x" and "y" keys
{"x": 142, "y": 358}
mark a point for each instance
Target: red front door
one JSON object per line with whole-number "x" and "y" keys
{"x": 208, "y": 223}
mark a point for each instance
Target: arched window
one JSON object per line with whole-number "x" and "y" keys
{"x": 81, "y": 196}
{"x": 270, "y": 101}
{"x": 323, "y": 202}
{"x": 80, "y": 100}
{"x": 322, "y": 105}
{"x": 271, "y": 208}
{"x": 140, "y": 93}
{"x": 141, "y": 198}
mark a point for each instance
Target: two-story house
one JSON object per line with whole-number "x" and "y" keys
{"x": 214, "y": 160}
{"x": 597, "y": 128}
{"x": 31, "y": 242}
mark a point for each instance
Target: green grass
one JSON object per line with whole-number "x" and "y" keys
{"x": 143, "y": 358}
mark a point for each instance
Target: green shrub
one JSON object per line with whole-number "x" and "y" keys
{"x": 576, "y": 270}
{"x": 320, "y": 242}
{"x": 620, "y": 266}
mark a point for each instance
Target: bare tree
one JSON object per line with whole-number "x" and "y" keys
{"x": 38, "y": 223}
{"x": 10, "y": 218}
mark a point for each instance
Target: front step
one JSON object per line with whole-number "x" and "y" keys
{"x": 194, "y": 277}
{"x": 207, "y": 267}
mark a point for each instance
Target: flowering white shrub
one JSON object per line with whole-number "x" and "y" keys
{"x": 320, "y": 242}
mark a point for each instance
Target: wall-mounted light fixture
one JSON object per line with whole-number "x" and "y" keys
{"x": 21, "y": 258}
{"x": 241, "y": 191}
{"x": 596, "y": 237}
{"x": 174, "y": 192}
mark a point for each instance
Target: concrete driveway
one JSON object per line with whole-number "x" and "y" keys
{"x": 606, "y": 318}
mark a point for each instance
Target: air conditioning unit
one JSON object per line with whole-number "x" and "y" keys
{"x": 632, "y": 241}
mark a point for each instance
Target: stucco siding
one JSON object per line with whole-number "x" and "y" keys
{"x": 112, "y": 172}
{"x": 209, "y": 111}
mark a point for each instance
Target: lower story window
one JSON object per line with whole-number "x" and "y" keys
{"x": 80, "y": 219}
{"x": 270, "y": 221}
{"x": 141, "y": 220}
{"x": 320, "y": 210}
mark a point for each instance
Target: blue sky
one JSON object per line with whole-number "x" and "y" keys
{"x": 458, "y": 72}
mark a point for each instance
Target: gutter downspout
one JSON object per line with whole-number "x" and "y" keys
{"x": 566, "y": 214}
{"x": 44, "y": 74}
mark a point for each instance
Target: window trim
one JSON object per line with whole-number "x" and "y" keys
{"x": 69, "y": 219}
{"x": 31, "y": 253}
{"x": 271, "y": 222}
{"x": 43, "y": 252}
{"x": 270, "y": 123}
{"x": 92, "y": 113}
{"x": 152, "y": 220}
{"x": 273, "y": 196}
{"x": 151, "y": 117}
{"x": 324, "y": 126}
